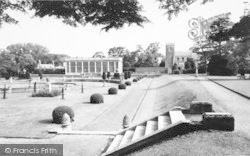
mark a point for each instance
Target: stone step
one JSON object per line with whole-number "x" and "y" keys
{"x": 151, "y": 126}
{"x": 115, "y": 143}
{"x": 176, "y": 116}
{"x": 127, "y": 137}
{"x": 163, "y": 121}
{"x": 139, "y": 132}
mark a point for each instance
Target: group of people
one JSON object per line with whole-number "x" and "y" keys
{"x": 106, "y": 76}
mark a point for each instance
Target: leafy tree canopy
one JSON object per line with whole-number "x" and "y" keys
{"x": 108, "y": 13}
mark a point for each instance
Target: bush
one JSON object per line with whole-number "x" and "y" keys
{"x": 40, "y": 74}
{"x": 135, "y": 80}
{"x": 221, "y": 65}
{"x": 122, "y": 86}
{"x": 50, "y": 71}
{"x": 112, "y": 91}
{"x": 44, "y": 93}
{"x": 96, "y": 98}
{"x": 126, "y": 75}
{"x": 129, "y": 74}
{"x": 176, "y": 72}
{"x": 59, "y": 111}
{"x": 128, "y": 83}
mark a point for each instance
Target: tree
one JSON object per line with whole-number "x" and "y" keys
{"x": 99, "y": 55}
{"x": 117, "y": 52}
{"x": 219, "y": 32}
{"x": 241, "y": 29}
{"x": 149, "y": 57}
{"x": 108, "y": 13}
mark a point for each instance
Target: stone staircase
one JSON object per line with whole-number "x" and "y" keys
{"x": 165, "y": 125}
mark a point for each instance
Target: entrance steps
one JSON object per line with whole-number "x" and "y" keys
{"x": 162, "y": 126}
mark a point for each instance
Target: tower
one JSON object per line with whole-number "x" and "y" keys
{"x": 169, "y": 62}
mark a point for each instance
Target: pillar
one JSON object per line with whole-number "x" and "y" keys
{"x": 88, "y": 67}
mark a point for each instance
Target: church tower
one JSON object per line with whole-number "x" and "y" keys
{"x": 169, "y": 62}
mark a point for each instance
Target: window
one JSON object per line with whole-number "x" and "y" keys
{"x": 79, "y": 67}
{"x": 105, "y": 66}
{"x": 85, "y": 67}
{"x": 111, "y": 66}
{"x": 98, "y": 67}
{"x": 92, "y": 67}
{"x": 73, "y": 67}
{"x": 67, "y": 67}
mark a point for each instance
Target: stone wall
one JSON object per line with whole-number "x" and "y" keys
{"x": 150, "y": 70}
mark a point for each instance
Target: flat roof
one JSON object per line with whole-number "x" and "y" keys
{"x": 92, "y": 59}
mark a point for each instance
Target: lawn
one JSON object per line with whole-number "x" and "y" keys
{"x": 201, "y": 143}
{"x": 23, "y": 116}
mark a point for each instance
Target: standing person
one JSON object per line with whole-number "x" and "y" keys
{"x": 104, "y": 78}
{"x": 108, "y": 76}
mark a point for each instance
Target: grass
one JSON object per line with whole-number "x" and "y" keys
{"x": 201, "y": 143}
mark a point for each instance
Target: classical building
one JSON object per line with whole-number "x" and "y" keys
{"x": 81, "y": 66}
{"x": 48, "y": 66}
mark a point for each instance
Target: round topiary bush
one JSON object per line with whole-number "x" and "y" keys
{"x": 128, "y": 83}
{"x": 112, "y": 90}
{"x": 96, "y": 98}
{"x": 122, "y": 86}
{"x": 59, "y": 111}
{"x": 135, "y": 80}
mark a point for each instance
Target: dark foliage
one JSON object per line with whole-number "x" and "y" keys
{"x": 59, "y": 111}
{"x": 218, "y": 65}
{"x": 53, "y": 93}
{"x": 112, "y": 91}
{"x": 128, "y": 83}
{"x": 96, "y": 98}
{"x": 122, "y": 86}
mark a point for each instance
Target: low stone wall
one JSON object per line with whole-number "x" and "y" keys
{"x": 148, "y": 70}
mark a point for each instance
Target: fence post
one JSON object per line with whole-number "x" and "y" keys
{"x": 4, "y": 91}
{"x": 35, "y": 87}
{"x": 62, "y": 93}
{"x": 82, "y": 87}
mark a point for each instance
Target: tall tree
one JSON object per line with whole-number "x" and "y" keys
{"x": 108, "y": 13}
{"x": 99, "y": 55}
{"x": 219, "y": 32}
{"x": 117, "y": 52}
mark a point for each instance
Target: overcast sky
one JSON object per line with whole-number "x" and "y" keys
{"x": 85, "y": 41}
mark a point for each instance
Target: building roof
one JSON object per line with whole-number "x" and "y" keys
{"x": 92, "y": 59}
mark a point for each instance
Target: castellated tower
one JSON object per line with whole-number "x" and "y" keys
{"x": 169, "y": 62}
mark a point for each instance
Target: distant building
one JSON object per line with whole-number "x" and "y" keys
{"x": 180, "y": 59}
{"x": 169, "y": 62}
{"x": 81, "y": 66}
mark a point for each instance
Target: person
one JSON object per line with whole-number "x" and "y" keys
{"x": 108, "y": 76}
{"x": 104, "y": 78}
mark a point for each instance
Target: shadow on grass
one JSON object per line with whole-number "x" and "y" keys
{"x": 46, "y": 121}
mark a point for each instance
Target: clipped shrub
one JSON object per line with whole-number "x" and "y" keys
{"x": 122, "y": 86}
{"x": 128, "y": 83}
{"x": 112, "y": 91}
{"x": 129, "y": 74}
{"x": 59, "y": 111}
{"x": 44, "y": 93}
{"x": 96, "y": 98}
{"x": 135, "y": 80}
{"x": 126, "y": 75}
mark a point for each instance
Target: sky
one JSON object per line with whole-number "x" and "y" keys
{"x": 85, "y": 41}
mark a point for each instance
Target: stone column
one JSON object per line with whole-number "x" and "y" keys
{"x": 101, "y": 67}
{"x": 88, "y": 67}
{"x": 95, "y": 67}
{"x": 76, "y": 67}
{"x": 114, "y": 66}
{"x": 82, "y": 68}
{"x": 108, "y": 66}
{"x": 70, "y": 67}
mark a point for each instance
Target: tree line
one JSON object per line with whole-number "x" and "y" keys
{"x": 225, "y": 47}
{"x": 17, "y": 58}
